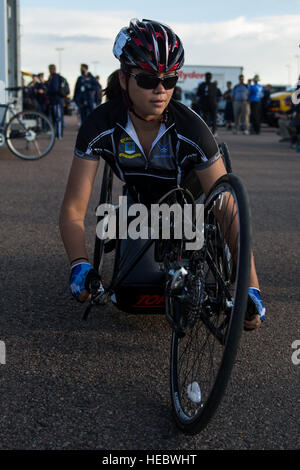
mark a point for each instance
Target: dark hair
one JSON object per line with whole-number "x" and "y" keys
{"x": 113, "y": 89}
{"x": 85, "y": 66}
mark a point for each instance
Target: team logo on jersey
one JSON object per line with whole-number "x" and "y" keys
{"x": 163, "y": 148}
{"x": 130, "y": 150}
{"x": 164, "y": 151}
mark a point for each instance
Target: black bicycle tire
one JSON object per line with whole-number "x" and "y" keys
{"x": 18, "y": 154}
{"x": 105, "y": 197}
{"x": 194, "y": 426}
{"x": 226, "y": 156}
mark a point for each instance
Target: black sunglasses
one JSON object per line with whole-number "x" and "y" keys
{"x": 150, "y": 82}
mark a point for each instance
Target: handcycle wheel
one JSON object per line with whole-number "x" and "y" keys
{"x": 104, "y": 249}
{"x": 30, "y": 135}
{"x": 225, "y": 156}
{"x": 202, "y": 358}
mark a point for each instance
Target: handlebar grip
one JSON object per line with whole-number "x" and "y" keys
{"x": 92, "y": 281}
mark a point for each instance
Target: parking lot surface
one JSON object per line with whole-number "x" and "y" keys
{"x": 104, "y": 383}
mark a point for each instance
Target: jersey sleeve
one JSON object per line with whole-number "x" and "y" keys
{"x": 83, "y": 146}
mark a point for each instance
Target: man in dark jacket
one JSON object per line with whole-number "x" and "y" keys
{"x": 56, "y": 100}
{"x": 207, "y": 94}
{"x": 85, "y": 91}
{"x": 98, "y": 91}
{"x": 41, "y": 93}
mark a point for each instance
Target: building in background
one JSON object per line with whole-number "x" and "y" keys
{"x": 10, "y": 63}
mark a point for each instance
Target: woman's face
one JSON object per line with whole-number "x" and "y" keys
{"x": 147, "y": 103}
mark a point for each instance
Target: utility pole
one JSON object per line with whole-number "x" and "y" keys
{"x": 288, "y": 66}
{"x": 297, "y": 56}
{"x": 95, "y": 63}
{"x": 59, "y": 50}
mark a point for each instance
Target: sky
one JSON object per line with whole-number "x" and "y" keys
{"x": 262, "y": 36}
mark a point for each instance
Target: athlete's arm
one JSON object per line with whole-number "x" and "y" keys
{"x": 208, "y": 177}
{"x": 74, "y": 206}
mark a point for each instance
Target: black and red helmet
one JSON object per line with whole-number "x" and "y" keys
{"x": 149, "y": 45}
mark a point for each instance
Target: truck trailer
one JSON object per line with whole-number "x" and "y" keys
{"x": 190, "y": 76}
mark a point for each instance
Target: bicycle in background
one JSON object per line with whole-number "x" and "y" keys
{"x": 28, "y": 134}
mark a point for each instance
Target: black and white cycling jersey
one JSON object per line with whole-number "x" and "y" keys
{"x": 184, "y": 142}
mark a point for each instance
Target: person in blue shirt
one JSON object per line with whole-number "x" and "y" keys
{"x": 240, "y": 106}
{"x": 256, "y": 93}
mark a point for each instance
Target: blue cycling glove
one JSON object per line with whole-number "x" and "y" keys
{"x": 80, "y": 274}
{"x": 255, "y": 304}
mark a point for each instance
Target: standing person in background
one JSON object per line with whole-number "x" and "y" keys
{"x": 228, "y": 113}
{"x": 85, "y": 90}
{"x": 265, "y": 102}
{"x": 218, "y": 92}
{"x": 56, "y": 101}
{"x": 207, "y": 94}
{"x": 177, "y": 95}
{"x": 42, "y": 94}
{"x": 98, "y": 91}
{"x": 240, "y": 106}
{"x": 31, "y": 91}
{"x": 256, "y": 92}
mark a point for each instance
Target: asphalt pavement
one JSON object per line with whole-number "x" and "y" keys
{"x": 104, "y": 383}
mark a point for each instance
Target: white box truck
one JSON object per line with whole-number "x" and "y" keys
{"x": 191, "y": 75}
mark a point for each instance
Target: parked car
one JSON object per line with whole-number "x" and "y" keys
{"x": 280, "y": 101}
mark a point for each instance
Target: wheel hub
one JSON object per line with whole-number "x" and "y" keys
{"x": 30, "y": 135}
{"x": 195, "y": 299}
{"x": 2, "y": 139}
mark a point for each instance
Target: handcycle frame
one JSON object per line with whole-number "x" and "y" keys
{"x": 108, "y": 175}
{"x": 217, "y": 282}
{"x": 117, "y": 280}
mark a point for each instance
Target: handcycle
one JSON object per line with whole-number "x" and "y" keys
{"x": 202, "y": 292}
{"x": 28, "y": 134}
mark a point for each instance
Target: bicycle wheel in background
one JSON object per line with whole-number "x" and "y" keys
{"x": 30, "y": 135}
{"x": 216, "y": 292}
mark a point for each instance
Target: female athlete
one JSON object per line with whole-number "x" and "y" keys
{"x": 150, "y": 141}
